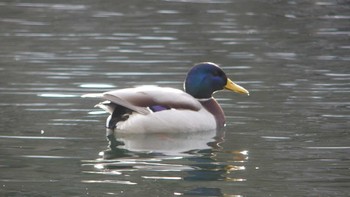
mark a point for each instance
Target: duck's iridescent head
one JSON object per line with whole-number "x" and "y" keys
{"x": 205, "y": 78}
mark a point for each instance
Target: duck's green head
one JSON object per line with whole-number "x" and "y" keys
{"x": 205, "y": 78}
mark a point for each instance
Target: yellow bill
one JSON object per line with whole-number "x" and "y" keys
{"x": 230, "y": 85}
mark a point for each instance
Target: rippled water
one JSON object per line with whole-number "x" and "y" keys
{"x": 289, "y": 138}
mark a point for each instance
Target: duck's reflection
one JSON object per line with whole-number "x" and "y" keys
{"x": 173, "y": 144}
{"x": 186, "y": 157}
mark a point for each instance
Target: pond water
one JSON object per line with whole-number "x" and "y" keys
{"x": 290, "y": 137}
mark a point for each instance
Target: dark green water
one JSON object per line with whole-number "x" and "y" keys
{"x": 290, "y": 137}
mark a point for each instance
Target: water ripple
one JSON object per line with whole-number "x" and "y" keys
{"x": 110, "y": 181}
{"x": 41, "y": 137}
{"x": 202, "y": 1}
{"x": 107, "y": 14}
{"x": 69, "y": 7}
{"x": 47, "y": 157}
{"x": 23, "y": 22}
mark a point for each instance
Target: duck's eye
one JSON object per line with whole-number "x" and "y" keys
{"x": 216, "y": 73}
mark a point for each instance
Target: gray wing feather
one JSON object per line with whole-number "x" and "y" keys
{"x": 139, "y": 98}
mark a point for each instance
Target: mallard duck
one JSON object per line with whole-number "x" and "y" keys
{"x": 153, "y": 109}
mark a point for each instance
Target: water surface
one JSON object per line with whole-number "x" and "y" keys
{"x": 290, "y": 137}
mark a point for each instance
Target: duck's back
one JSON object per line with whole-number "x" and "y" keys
{"x": 148, "y": 96}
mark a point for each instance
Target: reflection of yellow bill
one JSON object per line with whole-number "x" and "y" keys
{"x": 230, "y": 85}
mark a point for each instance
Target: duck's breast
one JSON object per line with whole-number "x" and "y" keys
{"x": 213, "y": 107}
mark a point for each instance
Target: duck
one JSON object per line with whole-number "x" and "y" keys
{"x": 154, "y": 109}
